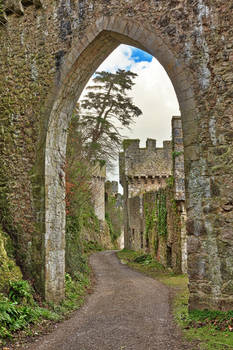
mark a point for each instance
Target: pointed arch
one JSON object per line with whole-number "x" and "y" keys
{"x": 85, "y": 55}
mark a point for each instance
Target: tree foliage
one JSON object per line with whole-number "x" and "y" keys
{"x": 105, "y": 109}
{"x": 80, "y": 214}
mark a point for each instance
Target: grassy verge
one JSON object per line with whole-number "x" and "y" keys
{"x": 213, "y": 330}
{"x": 23, "y": 315}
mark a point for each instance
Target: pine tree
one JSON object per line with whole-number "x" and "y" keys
{"x": 105, "y": 109}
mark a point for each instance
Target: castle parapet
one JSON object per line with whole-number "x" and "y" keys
{"x": 145, "y": 169}
{"x": 151, "y": 144}
{"x": 131, "y": 144}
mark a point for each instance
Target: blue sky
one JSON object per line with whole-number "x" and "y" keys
{"x": 138, "y": 55}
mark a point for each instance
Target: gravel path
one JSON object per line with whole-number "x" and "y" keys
{"x": 127, "y": 311}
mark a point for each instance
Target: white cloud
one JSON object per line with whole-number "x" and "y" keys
{"x": 153, "y": 93}
{"x": 119, "y": 59}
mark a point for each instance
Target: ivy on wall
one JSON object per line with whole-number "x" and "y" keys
{"x": 176, "y": 154}
{"x": 156, "y": 214}
{"x": 6, "y": 219}
{"x": 162, "y": 213}
{"x": 81, "y": 221}
{"x": 114, "y": 219}
{"x": 9, "y": 271}
{"x": 155, "y": 218}
{"x": 150, "y": 218}
{"x": 110, "y": 226}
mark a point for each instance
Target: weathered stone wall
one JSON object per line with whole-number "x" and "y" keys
{"x": 111, "y": 188}
{"x": 98, "y": 190}
{"x": 8, "y": 269}
{"x": 155, "y": 227}
{"x": 146, "y": 169}
{"x": 135, "y": 233}
{"x": 141, "y": 170}
{"x": 178, "y": 158}
{"x": 142, "y": 234}
{"x": 178, "y": 174}
{"x": 175, "y": 254}
{"x": 48, "y": 51}
{"x": 99, "y": 235}
{"x": 153, "y": 181}
{"x": 183, "y": 233}
{"x": 98, "y": 197}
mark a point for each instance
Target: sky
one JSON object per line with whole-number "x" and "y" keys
{"x": 153, "y": 92}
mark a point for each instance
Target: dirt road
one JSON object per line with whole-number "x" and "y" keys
{"x": 127, "y": 311}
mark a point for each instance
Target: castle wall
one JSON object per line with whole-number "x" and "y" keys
{"x": 48, "y": 51}
{"x": 98, "y": 190}
{"x": 179, "y": 183}
{"x": 141, "y": 170}
{"x": 152, "y": 177}
{"x": 147, "y": 162}
{"x": 114, "y": 213}
{"x": 98, "y": 197}
{"x": 184, "y": 253}
{"x": 139, "y": 184}
{"x": 111, "y": 188}
{"x": 152, "y": 232}
{"x": 178, "y": 158}
{"x": 135, "y": 233}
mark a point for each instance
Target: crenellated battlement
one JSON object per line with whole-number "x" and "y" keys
{"x": 111, "y": 188}
{"x": 145, "y": 168}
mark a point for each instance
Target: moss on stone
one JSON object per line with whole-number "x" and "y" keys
{"x": 9, "y": 271}
{"x": 126, "y": 143}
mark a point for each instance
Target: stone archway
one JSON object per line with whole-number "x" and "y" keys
{"x": 82, "y": 61}
{"x": 192, "y": 41}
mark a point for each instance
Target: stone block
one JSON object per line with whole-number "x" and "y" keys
{"x": 191, "y": 153}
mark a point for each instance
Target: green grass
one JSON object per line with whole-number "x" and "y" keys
{"x": 148, "y": 265}
{"x": 75, "y": 293}
{"x": 211, "y": 329}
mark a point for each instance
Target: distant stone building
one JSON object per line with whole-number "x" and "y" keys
{"x": 114, "y": 213}
{"x": 154, "y": 197}
{"x": 98, "y": 189}
{"x": 111, "y": 188}
{"x": 144, "y": 169}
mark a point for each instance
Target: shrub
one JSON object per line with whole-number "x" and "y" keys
{"x": 21, "y": 292}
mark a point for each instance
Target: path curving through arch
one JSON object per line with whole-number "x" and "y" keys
{"x": 127, "y": 311}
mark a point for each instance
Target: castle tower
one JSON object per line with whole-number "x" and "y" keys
{"x": 141, "y": 170}
{"x": 98, "y": 189}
